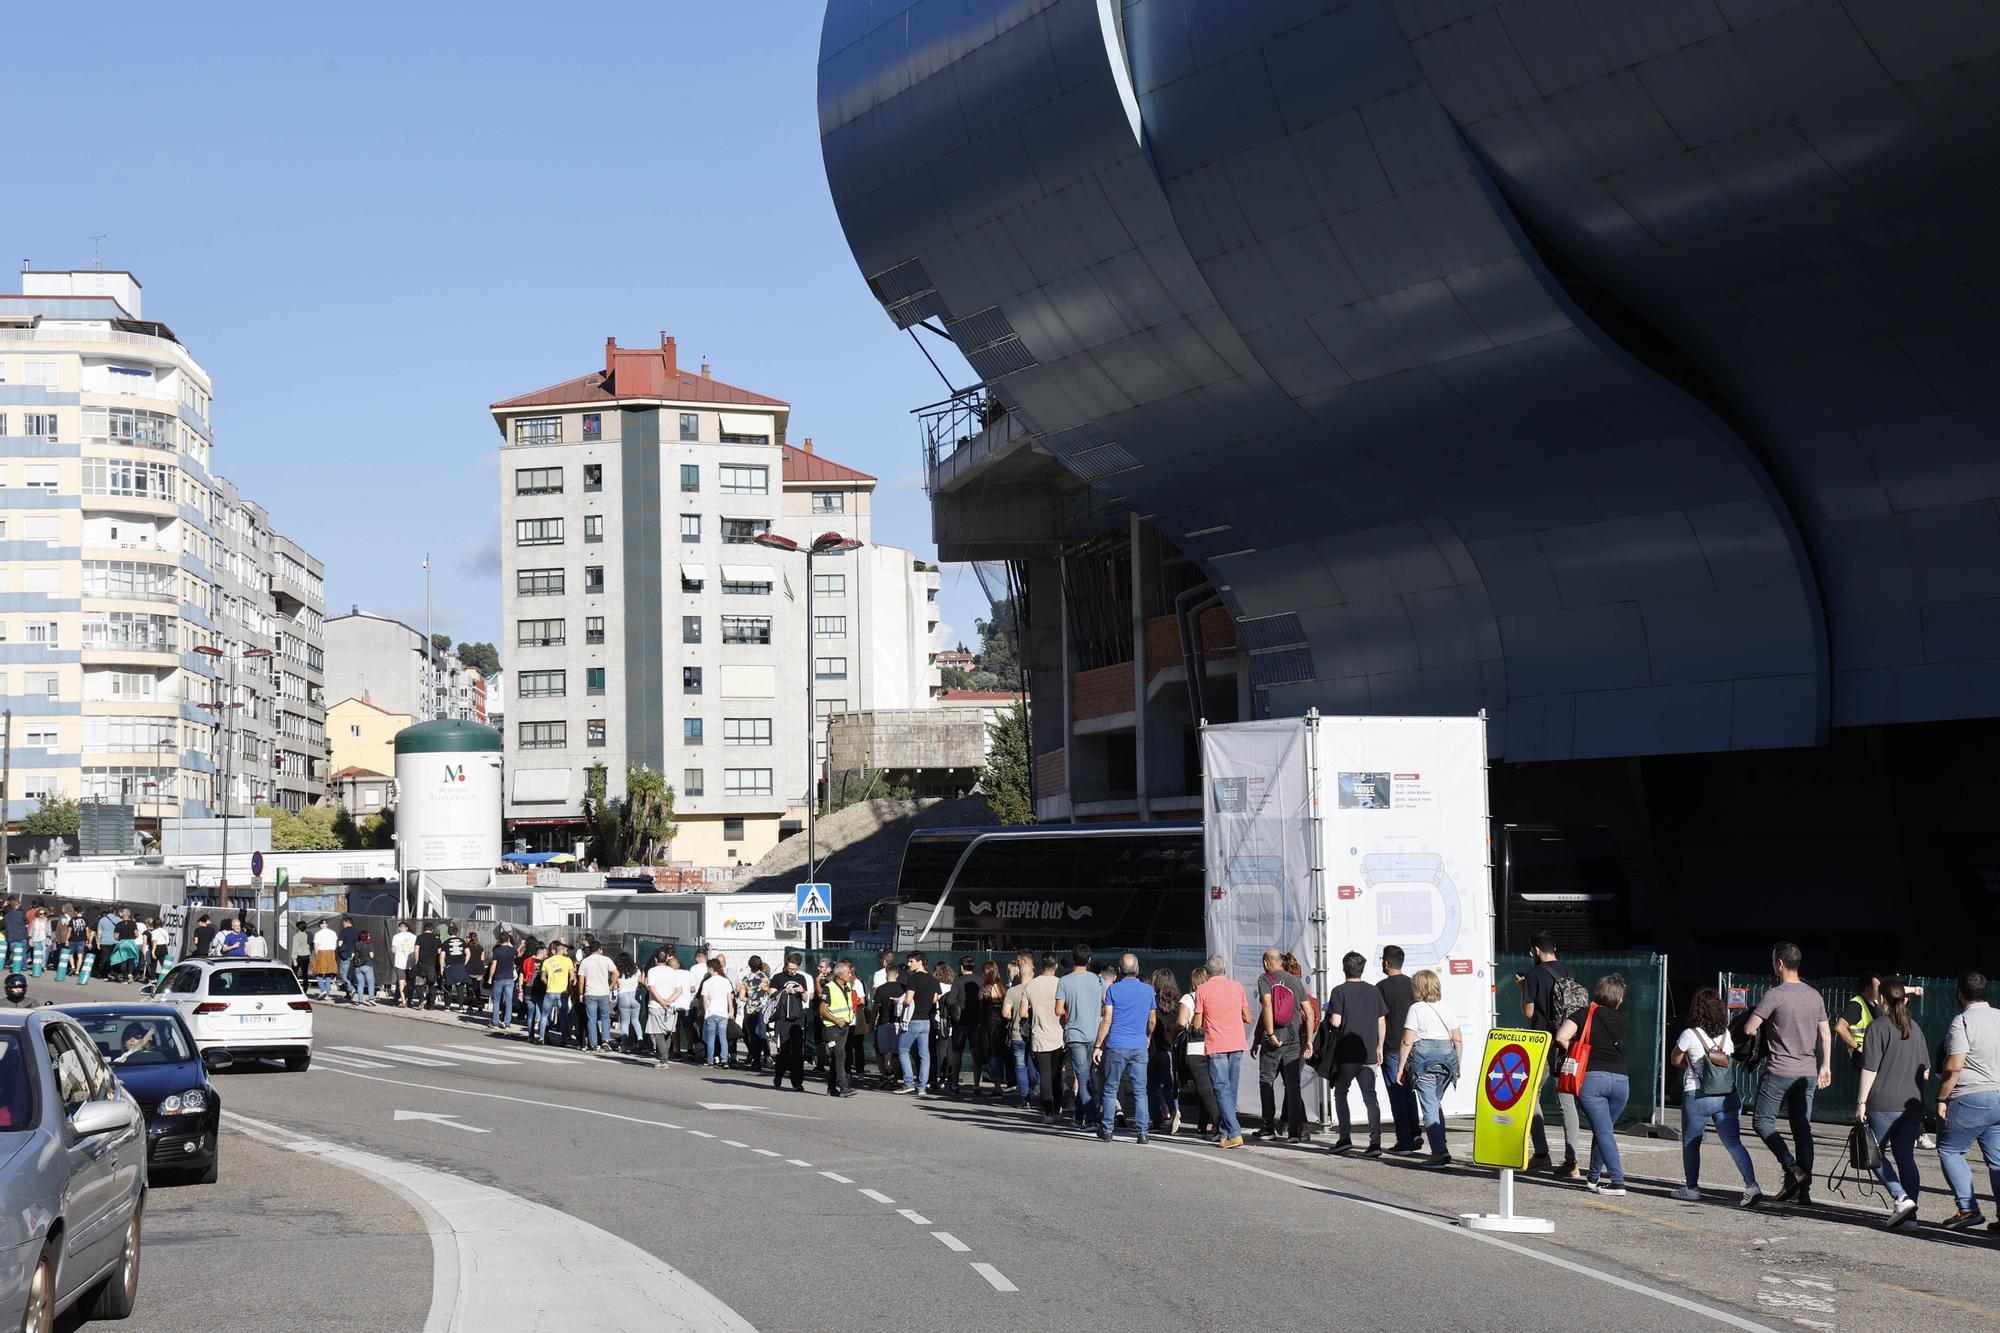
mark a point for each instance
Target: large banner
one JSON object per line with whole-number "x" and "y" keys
{"x": 1258, "y": 824}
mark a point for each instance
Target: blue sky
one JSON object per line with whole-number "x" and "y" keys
{"x": 370, "y": 221}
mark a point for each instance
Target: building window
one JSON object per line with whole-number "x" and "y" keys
{"x": 744, "y": 479}
{"x": 758, "y": 587}
{"x": 593, "y": 476}
{"x": 544, "y": 735}
{"x": 44, "y": 684}
{"x": 538, "y": 430}
{"x": 829, "y": 585}
{"x": 593, "y": 629}
{"x": 690, "y": 527}
{"x": 39, "y": 423}
{"x": 743, "y": 531}
{"x": 746, "y": 731}
{"x": 732, "y": 829}
{"x": 691, "y": 782}
{"x": 690, "y": 731}
{"x": 540, "y": 684}
{"x": 746, "y": 629}
{"x": 40, "y": 373}
{"x": 690, "y": 629}
{"x": 593, "y": 579}
{"x": 593, "y": 733}
{"x": 538, "y": 532}
{"x": 829, "y": 502}
{"x": 538, "y": 481}
{"x": 40, "y": 476}
{"x": 690, "y": 426}
{"x": 593, "y": 428}
{"x": 538, "y": 582}
{"x": 593, "y": 527}
{"x": 593, "y": 680}
{"x": 44, "y": 632}
{"x": 119, "y": 476}
{"x": 539, "y": 634}
{"x": 690, "y": 478}
{"x": 830, "y": 668}
{"x": 746, "y": 782}
{"x": 690, "y": 680}
{"x": 829, "y": 627}
{"x": 828, "y": 707}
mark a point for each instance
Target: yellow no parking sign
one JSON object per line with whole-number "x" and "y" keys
{"x": 1509, "y": 1089}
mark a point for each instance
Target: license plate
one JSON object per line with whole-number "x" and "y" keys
{"x": 248, "y": 1020}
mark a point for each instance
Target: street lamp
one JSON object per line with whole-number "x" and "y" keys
{"x": 827, "y": 543}
{"x": 226, "y": 707}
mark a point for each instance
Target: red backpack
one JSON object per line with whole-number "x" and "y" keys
{"x": 1284, "y": 1004}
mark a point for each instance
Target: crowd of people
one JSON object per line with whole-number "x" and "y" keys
{"x": 121, "y": 946}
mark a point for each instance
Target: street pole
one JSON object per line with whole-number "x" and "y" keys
{"x": 6, "y": 792}
{"x": 228, "y": 716}
{"x": 430, "y": 649}
{"x": 813, "y": 932}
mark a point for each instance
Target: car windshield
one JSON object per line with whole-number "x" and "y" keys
{"x": 231, "y": 982}
{"x": 16, "y": 1104}
{"x": 136, "y": 1039}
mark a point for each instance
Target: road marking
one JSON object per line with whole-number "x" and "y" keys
{"x": 698, "y": 1134}
{"x": 480, "y": 1059}
{"x": 911, "y": 1213}
{"x": 796, "y": 1162}
{"x": 994, "y": 1276}
{"x": 734, "y": 1144}
{"x": 1478, "y": 1237}
{"x": 512, "y": 1054}
{"x": 391, "y": 1055}
{"x": 346, "y": 1061}
{"x": 755, "y": 1110}
{"x": 766, "y": 1152}
{"x": 1945, "y": 1301}
{"x": 438, "y": 1118}
{"x": 952, "y": 1243}
{"x": 878, "y": 1196}
{"x": 836, "y": 1178}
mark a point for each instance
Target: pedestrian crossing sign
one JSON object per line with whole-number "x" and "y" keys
{"x": 815, "y": 902}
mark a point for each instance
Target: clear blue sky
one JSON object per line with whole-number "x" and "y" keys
{"x": 368, "y": 221}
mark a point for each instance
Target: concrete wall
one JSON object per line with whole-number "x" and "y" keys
{"x": 906, "y": 738}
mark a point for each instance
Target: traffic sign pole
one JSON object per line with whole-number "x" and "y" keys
{"x": 1504, "y": 1112}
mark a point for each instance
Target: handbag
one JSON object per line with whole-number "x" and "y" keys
{"x": 1578, "y": 1064}
{"x": 1864, "y": 1151}
{"x": 1717, "y": 1080}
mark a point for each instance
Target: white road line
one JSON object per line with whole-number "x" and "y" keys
{"x": 912, "y": 1214}
{"x": 766, "y": 1152}
{"x": 796, "y": 1162}
{"x": 994, "y": 1276}
{"x": 480, "y": 1059}
{"x": 734, "y": 1144}
{"x": 346, "y": 1061}
{"x": 391, "y": 1055}
{"x": 952, "y": 1243}
{"x": 836, "y": 1178}
{"x": 697, "y": 1133}
{"x": 533, "y": 1058}
{"x": 878, "y": 1196}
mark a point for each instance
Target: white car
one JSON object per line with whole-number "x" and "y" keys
{"x": 252, "y": 1008}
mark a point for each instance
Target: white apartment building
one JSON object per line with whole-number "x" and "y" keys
{"x": 383, "y": 661}
{"x": 121, "y": 556}
{"x": 644, "y": 623}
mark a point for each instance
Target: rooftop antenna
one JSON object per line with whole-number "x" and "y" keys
{"x": 97, "y": 251}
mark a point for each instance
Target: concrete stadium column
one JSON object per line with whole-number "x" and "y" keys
{"x": 1135, "y": 552}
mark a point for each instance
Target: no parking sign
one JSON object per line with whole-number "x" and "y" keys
{"x": 1510, "y": 1081}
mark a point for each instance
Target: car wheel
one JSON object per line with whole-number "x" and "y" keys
{"x": 39, "y": 1315}
{"x": 295, "y": 1063}
{"x": 116, "y": 1295}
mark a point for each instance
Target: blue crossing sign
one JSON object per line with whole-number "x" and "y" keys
{"x": 815, "y": 902}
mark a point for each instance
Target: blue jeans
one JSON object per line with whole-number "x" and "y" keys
{"x": 552, "y": 1016}
{"x": 1970, "y": 1117}
{"x": 347, "y": 974}
{"x": 1726, "y": 1111}
{"x": 715, "y": 1038}
{"x": 1602, "y": 1100}
{"x": 597, "y": 1020}
{"x": 1794, "y": 1096}
{"x": 1225, "y": 1072}
{"x": 1089, "y": 1082}
{"x": 1435, "y": 1061}
{"x": 325, "y": 986}
{"x": 1025, "y": 1079}
{"x": 1164, "y": 1082}
{"x": 628, "y": 1017}
{"x": 503, "y": 1003}
{"x": 1897, "y": 1132}
{"x": 916, "y": 1039}
{"x": 1121, "y": 1063}
{"x": 364, "y": 981}
{"x": 1402, "y": 1102}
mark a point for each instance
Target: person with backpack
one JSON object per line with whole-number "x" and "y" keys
{"x": 1282, "y": 1048}
{"x": 1550, "y": 994}
{"x": 1895, "y": 1065}
{"x": 1708, "y": 1095}
{"x": 1595, "y": 1041}
{"x": 1798, "y": 1045}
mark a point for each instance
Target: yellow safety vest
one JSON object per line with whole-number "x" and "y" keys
{"x": 1860, "y": 1030}
{"x": 839, "y": 1001}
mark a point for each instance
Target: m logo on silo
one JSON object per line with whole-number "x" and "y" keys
{"x": 453, "y": 773}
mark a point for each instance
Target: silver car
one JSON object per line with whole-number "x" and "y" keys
{"x": 72, "y": 1175}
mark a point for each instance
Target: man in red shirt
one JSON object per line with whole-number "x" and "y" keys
{"x": 1222, "y": 1017}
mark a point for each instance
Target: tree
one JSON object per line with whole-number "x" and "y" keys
{"x": 600, "y": 818}
{"x": 999, "y": 656}
{"x": 636, "y": 830}
{"x": 481, "y": 657}
{"x": 310, "y": 830}
{"x": 345, "y": 831}
{"x": 378, "y": 832}
{"x": 57, "y": 815}
{"x": 952, "y": 678}
{"x": 441, "y": 642}
{"x": 1005, "y": 779}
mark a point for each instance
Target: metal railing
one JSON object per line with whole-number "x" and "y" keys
{"x": 958, "y": 423}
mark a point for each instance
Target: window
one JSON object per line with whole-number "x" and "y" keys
{"x": 689, "y": 584}
{"x": 830, "y": 668}
{"x": 593, "y": 629}
{"x": 744, "y": 479}
{"x": 593, "y": 428}
{"x": 48, "y": 530}
{"x": 746, "y": 782}
{"x": 690, "y": 731}
{"x": 828, "y": 707}
{"x": 746, "y": 731}
{"x": 691, "y": 782}
{"x": 829, "y": 627}
{"x": 690, "y": 478}
{"x": 829, "y": 585}
{"x": 829, "y": 502}
{"x": 593, "y": 733}
{"x": 44, "y": 683}
{"x": 538, "y": 532}
{"x": 354, "y": 730}
{"x": 690, "y": 425}
{"x": 42, "y": 580}
{"x": 41, "y": 476}
{"x": 732, "y": 829}
{"x": 593, "y": 680}
{"x": 743, "y": 531}
{"x": 690, "y": 680}
{"x": 593, "y": 527}
{"x": 538, "y": 481}
{"x": 121, "y": 476}
{"x": 690, "y": 629}
{"x": 538, "y": 582}
{"x": 757, "y": 587}
{"x": 42, "y": 373}
{"x": 541, "y": 684}
{"x": 540, "y": 634}
{"x": 593, "y": 579}
{"x": 39, "y": 423}
{"x": 593, "y": 474}
{"x": 544, "y": 735}
{"x": 44, "y": 632}
{"x": 690, "y": 527}
{"x": 538, "y": 430}
{"x": 746, "y": 629}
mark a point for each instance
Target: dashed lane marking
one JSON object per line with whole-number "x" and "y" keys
{"x": 766, "y": 1152}
{"x": 698, "y": 1133}
{"x": 913, "y": 1215}
{"x": 878, "y": 1196}
{"x": 734, "y": 1144}
{"x": 994, "y": 1276}
{"x": 796, "y": 1162}
{"x": 952, "y": 1243}
{"x": 836, "y": 1178}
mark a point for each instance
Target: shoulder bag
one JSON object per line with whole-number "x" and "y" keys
{"x": 1578, "y": 1064}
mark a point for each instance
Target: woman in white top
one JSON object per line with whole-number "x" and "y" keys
{"x": 1195, "y": 1055}
{"x": 1431, "y": 1051}
{"x": 1703, "y": 1056}
{"x": 628, "y": 1002}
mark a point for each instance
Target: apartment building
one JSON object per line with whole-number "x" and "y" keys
{"x": 129, "y": 572}
{"x": 384, "y": 661}
{"x": 646, "y": 623}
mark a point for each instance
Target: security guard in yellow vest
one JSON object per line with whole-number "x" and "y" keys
{"x": 1852, "y": 1025}
{"x": 837, "y": 1011}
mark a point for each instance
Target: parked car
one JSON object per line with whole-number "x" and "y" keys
{"x": 72, "y": 1175}
{"x": 252, "y": 1008}
{"x": 151, "y": 1050}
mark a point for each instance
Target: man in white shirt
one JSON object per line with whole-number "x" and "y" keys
{"x": 600, "y": 979}
{"x": 402, "y": 956}
{"x": 666, "y": 987}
